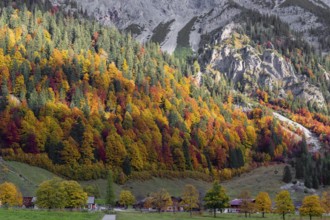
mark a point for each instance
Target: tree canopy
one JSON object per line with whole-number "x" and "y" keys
{"x": 216, "y": 198}
{"x": 283, "y": 203}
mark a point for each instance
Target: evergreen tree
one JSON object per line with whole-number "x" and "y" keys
{"x": 287, "y": 177}
{"x": 186, "y": 153}
{"x": 110, "y": 196}
{"x": 299, "y": 167}
{"x": 127, "y": 167}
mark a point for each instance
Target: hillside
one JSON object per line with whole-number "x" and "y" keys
{"x": 78, "y": 98}
{"x": 308, "y": 17}
{"x": 297, "y": 30}
{"x": 27, "y": 178}
{"x": 268, "y": 179}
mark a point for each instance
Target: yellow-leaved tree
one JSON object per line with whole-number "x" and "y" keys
{"x": 311, "y": 206}
{"x": 263, "y": 203}
{"x": 161, "y": 200}
{"x": 283, "y": 203}
{"x": 326, "y": 201}
{"x": 74, "y": 193}
{"x": 190, "y": 198}
{"x": 126, "y": 198}
{"x": 59, "y": 194}
{"x": 247, "y": 205}
{"x": 10, "y": 195}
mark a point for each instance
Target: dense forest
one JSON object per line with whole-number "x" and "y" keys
{"x": 78, "y": 99}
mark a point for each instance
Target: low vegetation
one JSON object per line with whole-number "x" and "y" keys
{"x": 183, "y": 40}
{"x": 204, "y": 216}
{"x": 161, "y": 31}
{"x": 18, "y": 214}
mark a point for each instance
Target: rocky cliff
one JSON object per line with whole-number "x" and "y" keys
{"x": 197, "y": 17}
{"x": 249, "y": 69}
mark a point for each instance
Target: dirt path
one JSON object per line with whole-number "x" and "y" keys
{"x": 313, "y": 143}
{"x": 109, "y": 217}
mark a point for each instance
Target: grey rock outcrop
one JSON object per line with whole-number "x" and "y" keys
{"x": 248, "y": 70}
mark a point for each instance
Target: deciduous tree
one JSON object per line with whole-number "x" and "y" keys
{"x": 161, "y": 200}
{"x": 75, "y": 195}
{"x": 263, "y": 203}
{"x": 246, "y": 202}
{"x": 10, "y": 195}
{"x": 216, "y": 198}
{"x": 126, "y": 198}
{"x": 311, "y": 206}
{"x": 283, "y": 203}
{"x": 190, "y": 198}
{"x": 51, "y": 195}
{"x": 326, "y": 201}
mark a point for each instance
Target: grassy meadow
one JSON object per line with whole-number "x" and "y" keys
{"x": 15, "y": 214}
{"x": 206, "y": 216}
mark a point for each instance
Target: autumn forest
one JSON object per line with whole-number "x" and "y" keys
{"x": 78, "y": 99}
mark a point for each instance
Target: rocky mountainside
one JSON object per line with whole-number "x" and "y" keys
{"x": 169, "y": 22}
{"x": 197, "y": 24}
{"x": 248, "y": 69}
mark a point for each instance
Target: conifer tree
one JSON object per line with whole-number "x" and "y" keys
{"x": 110, "y": 196}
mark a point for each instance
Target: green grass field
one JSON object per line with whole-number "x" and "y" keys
{"x": 13, "y": 214}
{"x": 206, "y": 216}
{"x": 142, "y": 188}
{"x": 268, "y": 179}
{"x": 25, "y": 177}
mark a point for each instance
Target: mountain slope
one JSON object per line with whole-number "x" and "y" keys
{"x": 78, "y": 98}
{"x": 303, "y": 16}
{"x": 178, "y": 26}
{"x": 235, "y": 57}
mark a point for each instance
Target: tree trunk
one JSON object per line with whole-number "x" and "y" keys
{"x": 245, "y": 214}
{"x": 190, "y": 212}
{"x": 310, "y": 217}
{"x": 215, "y": 212}
{"x": 263, "y": 214}
{"x": 283, "y": 216}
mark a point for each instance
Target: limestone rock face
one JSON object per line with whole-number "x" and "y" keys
{"x": 249, "y": 70}
{"x": 143, "y": 16}
{"x": 244, "y": 66}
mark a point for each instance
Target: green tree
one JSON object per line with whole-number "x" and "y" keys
{"x": 92, "y": 190}
{"x": 287, "y": 177}
{"x": 127, "y": 167}
{"x": 58, "y": 194}
{"x": 216, "y": 198}
{"x": 110, "y": 196}
{"x": 190, "y": 198}
{"x": 51, "y": 195}
{"x": 283, "y": 203}
{"x": 75, "y": 195}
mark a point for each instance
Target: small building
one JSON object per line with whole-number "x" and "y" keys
{"x": 297, "y": 205}
{"x": 91, "y": 203}
{"x": 29, "y": 202}
{"x": 235, "y": 205}
{"x": 176, "y": 206}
